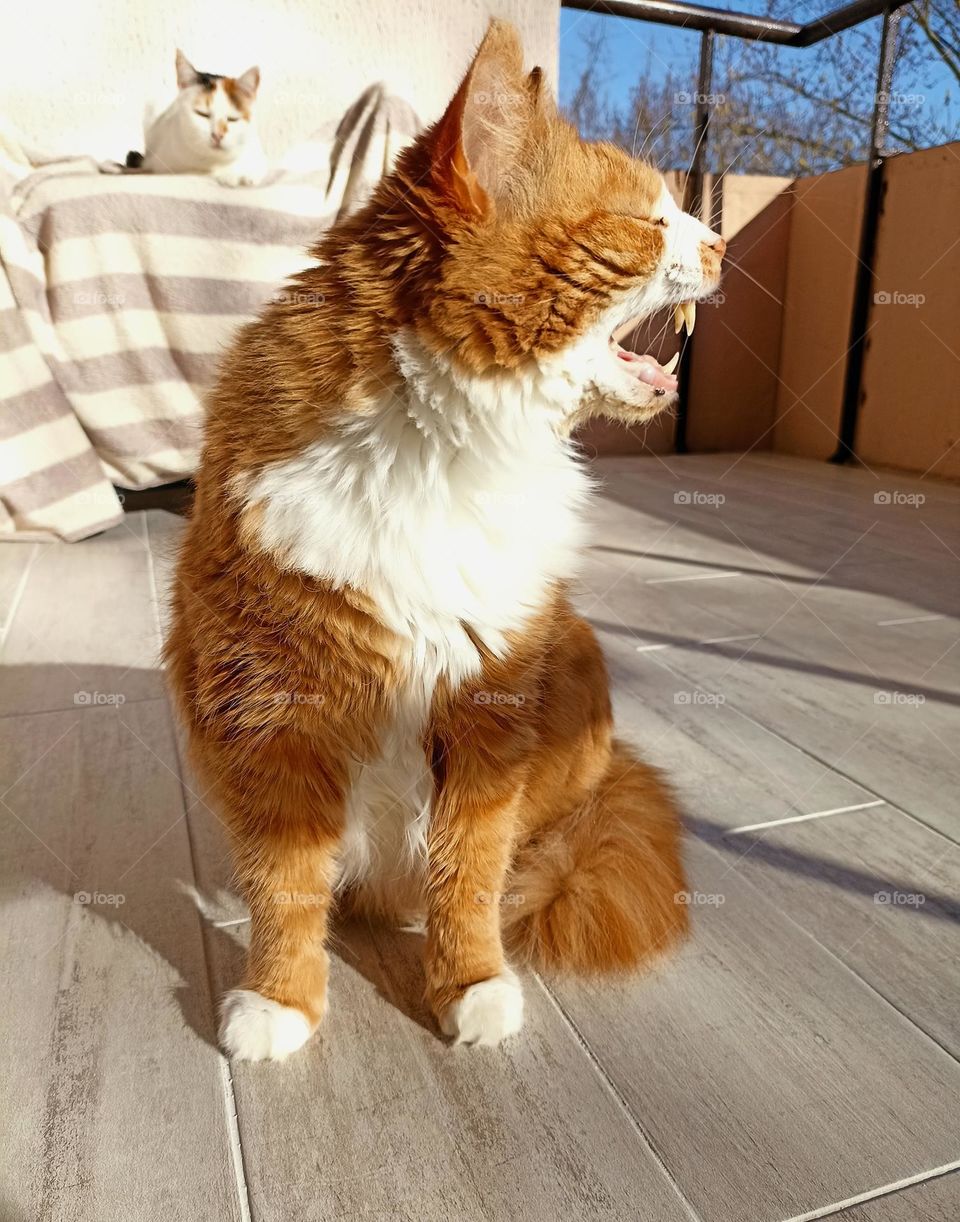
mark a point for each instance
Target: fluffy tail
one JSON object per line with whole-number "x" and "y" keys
{"x": 603, "y": 889}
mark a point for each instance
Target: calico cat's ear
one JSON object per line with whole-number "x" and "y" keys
{"x": 249, "y": 83}
{"x": 478, "y": 142}
{"x": 186, "y": 73}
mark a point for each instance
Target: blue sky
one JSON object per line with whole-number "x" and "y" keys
{"x": 631, "y": 46}
{"x": 635, "y": 47}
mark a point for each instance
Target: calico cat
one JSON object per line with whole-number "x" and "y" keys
{"x": 373, "y": 646}
{"x": 207, "y": 129}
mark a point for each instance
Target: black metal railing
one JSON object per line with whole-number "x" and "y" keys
{"x": 710, "y": 22}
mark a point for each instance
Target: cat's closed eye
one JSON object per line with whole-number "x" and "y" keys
{"x": 204, "y": 114}
{"x": 661, "y": 222}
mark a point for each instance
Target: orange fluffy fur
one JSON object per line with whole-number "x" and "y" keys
{"x": 545, "y": 833}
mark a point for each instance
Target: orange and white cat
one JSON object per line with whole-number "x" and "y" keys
{"x": 373, "y": 646}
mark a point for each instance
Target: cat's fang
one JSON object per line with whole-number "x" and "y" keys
{"x": 672, "y": 363}
{"x": 684, "y": 315}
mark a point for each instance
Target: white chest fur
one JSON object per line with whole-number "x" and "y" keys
{"x": 456, "y": 506}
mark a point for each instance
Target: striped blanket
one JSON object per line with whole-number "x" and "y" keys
{"x": 119, "y": 291}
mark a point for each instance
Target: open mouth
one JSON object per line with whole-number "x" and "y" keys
{"x": 646, "y": 368}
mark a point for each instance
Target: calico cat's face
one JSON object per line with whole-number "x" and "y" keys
{"x": 217, "y": 110}
{"x": 552, "y": 248}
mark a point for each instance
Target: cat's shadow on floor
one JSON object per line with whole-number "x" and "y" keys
{"x": 362, "y": 955}
{"x": 98, "y": 836}
{"x": 389, "y": 959}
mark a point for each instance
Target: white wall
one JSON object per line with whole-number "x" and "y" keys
{"x": 75, "y": 74}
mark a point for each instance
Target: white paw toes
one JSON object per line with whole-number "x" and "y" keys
{"x": 254, "y": 1028}
{"x": 487, "y": 1013}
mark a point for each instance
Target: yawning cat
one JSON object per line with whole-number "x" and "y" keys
{"x": 373, "y": 647}
{"x": 207, "y": 129}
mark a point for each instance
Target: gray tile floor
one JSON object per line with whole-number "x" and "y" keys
{"x": 782, "y": 639}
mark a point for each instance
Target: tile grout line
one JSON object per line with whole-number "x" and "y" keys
{"x": 910, "y": 619}
{"x": 233, "y": 1136}
{"x": 613, "y": 1090}
{"x": 832, "y": 768}
{"x": 18, "y": 595}
{"x": 873, "y": 1194}
{"x": 847, "y": 777}
{"x": 154, "y": 594}
{"x": 666, "y": 581}
{"x": 817, "y": 814}
{"x": 86, "y": 708}
{"x": 229, "y": 1096}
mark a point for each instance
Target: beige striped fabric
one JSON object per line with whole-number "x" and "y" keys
{"x": 118, "y": 293}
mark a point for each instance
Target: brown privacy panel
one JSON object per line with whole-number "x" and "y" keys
{"x": 606, "y": 437}
{"x": 742, "y": 197}
{"x": 736, "y": 353}
{"x": 821, "y": 270}
{"x": 910, "y": 407}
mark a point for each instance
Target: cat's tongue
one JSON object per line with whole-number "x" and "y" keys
{"x": 648, "y": 369}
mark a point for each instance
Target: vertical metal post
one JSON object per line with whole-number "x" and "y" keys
{"x": 694, "y": 192}
{"x": 873, "y": 199}
{"x": 702, "y": 123}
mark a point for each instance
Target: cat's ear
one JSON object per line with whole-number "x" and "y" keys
{"x": 479, "y": 140}
{"x": 249, "y": 83}
{"x": 186, "y": 73}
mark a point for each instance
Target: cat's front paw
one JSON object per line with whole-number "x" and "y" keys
{"x": 487, "y": 1012}
{"x": 236, "y": 180}
{"x": 254, "y": 1028}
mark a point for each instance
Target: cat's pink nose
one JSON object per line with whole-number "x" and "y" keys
{"x": 713, "y": 241}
